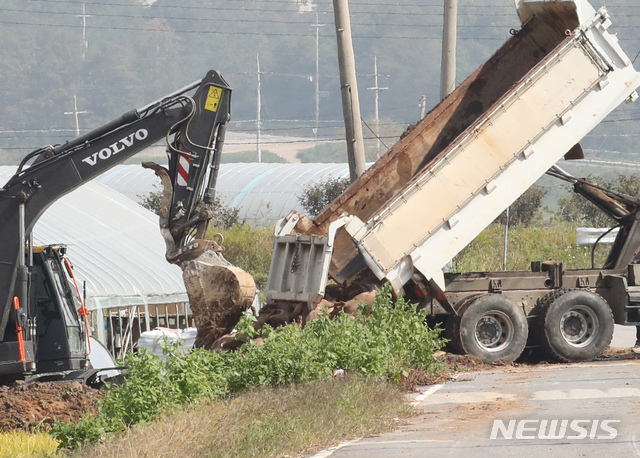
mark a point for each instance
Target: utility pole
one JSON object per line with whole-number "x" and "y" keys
{"x": 258, "y": 120}
{"x": 377, "y": 90}
{"x": 84, "y": 17}
{"x": 423, "y": 106}
{"x": 317, "y": 78}
{"x": 448, "y": 62}
{"x": 75, "y": 112}
{"x": 349, "y": 90}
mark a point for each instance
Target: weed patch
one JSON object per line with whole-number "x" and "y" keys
{"x": 20, "y": 444}
{"x": 385, "y": 342}
{"x": 526, "y": 244}
{"x": 268, "y": 421}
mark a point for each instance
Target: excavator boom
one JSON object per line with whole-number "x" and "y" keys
{"x": 193, "y": 126}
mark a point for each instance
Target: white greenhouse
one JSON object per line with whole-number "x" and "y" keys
{"x": 117, "y": 250}
{"x": 118, "y": 255}
{"x": 263, "y": 193}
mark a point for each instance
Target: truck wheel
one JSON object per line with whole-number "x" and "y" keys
{"x": 493, "y": 328}
{"x": 578, "y": 325}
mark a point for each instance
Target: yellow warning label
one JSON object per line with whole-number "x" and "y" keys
{"x": 213, "y": 98}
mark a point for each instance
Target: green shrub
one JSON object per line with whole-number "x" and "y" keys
{"x": 525, "y": 209}
{"x": 317, "y": 196}
{"x": 224, "y": 216}
{"x": 385, "y": 341}
{"x": 145, "y": 394}
{"x": 577, "y": 209}
{"x": 88, "y": 430}
{"x": 250, "y": 249}
{"x": 196, "y": 374}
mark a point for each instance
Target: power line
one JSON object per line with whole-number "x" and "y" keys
{"x": 243, "y": 20}
{"x": 253, "y": 2}
{"x": 386, "y": 11}
{"x": 217, "y": 32}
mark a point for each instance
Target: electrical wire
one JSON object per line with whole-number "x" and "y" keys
{"x": 374, "y": 134}
{"x": 218, "y": 32}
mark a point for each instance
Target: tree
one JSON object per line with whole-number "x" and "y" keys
{"x": 577, "y": 209}
{"x": 224, "y": 216}
{"x": 317, "y": 196}
{"x": 524, "y": 209}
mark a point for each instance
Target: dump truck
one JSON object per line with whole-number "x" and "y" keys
{"x": 41, "y": 314}
{"x": 458, "y": 169}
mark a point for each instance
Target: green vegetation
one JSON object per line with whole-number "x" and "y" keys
{"x": 556, "y": 241}
{"x": 577, "y": 209}
{"x": 325, "y": 152}
{"x": 526, "y": 209}
{"x": 20, "y": 444}
{"x": 268, "y": 421}
{"x": 250, "y": 249}
{"x": 251, "y": 156}
{"x": 385, "y": 341}
{"x": 224, "y": 216}
{"x": 317, "y": 196}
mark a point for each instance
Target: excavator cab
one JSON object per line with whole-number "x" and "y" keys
{"x": 61, "y": 340}
{"x": 48, "y": 335}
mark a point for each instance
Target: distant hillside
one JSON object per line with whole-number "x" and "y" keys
{"x": 114, "y": 56}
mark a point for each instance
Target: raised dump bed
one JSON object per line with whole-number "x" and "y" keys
{"x": 473, "y": 154}
{"x": 483, "y": 146}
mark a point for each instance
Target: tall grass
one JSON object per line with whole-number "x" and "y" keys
{"x": 20, "y": 444}
{"x": 267, "y": 422}
{"x": 556, "y": 241}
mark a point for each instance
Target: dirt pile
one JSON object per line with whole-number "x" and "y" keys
{"x": 219, "y": 293}
{"x": 280, "y": 313}
{"x": 26, "y": 406}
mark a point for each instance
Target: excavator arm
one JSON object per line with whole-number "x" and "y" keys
{"x": 194, "y": 129}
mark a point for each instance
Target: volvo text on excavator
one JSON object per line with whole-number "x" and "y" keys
{"x": 41, "y": 328}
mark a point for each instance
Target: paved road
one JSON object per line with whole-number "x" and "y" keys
{"x": 599, "y": 401}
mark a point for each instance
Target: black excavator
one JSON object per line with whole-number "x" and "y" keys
{"x": 41, "y": 314}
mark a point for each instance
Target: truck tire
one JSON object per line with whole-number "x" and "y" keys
{"x": 577, "y": 325}
{"x": 493, "y": 328}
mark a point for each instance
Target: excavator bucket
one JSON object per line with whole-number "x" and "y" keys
{"x": 219, "y": 292}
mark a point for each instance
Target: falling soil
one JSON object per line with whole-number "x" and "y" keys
{"x": 29, "y": 406}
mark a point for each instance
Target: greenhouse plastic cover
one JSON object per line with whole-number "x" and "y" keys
{"x": 263, "y": 193}
{"x": 114, "y": 244}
